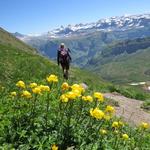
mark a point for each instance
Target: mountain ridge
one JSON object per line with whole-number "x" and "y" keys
{"x": 118, "y": 23}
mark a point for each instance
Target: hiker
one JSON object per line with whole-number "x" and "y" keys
{"x": 64, "y": 58}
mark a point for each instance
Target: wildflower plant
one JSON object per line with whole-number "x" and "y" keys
{"x": 54, "y": 114}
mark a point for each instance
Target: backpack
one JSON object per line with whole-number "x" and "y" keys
{"x": 64, "y": 54}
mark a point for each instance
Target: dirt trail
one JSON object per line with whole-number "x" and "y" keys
{"x": 129, "y": 109}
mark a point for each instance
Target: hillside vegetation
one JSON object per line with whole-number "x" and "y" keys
{"x": 6, "y": 38}
{"x": 21, "y": 65}
{"x": 50, "y": 114}
{"x": 19, "y": 61}
{"x": 17, "y": 64}
{"x": 124, "y": 62}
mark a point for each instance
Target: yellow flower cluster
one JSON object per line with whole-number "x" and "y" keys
{"x": 64, "y": 98}
{"x": 76, "y": 91}
{"x": 26, "y": 94}
{"x": 99, "y": 96}
{"x": 144, "y": 125}
{"x": 72, "y": 95}
{"x": 97, "y": 113}
{"x": 36, "y": 89}
{"x": 33, "y": 85}
{"x": 87, "y": 98}
{"x": 54, "y": 147}
{"x": 77, "y": 87}
{"x": 65, "y": 86}
{"x": 41, "y": 88}
{"x": 109, "y": 109}
{"x": 117, "y": 124}
{"x": 44, "y": 88}
{"x": 125, "y": 136}
{"x": 68, "y": 96}
{"x": 52, "y": 78}
{"x": 20, "y": 84}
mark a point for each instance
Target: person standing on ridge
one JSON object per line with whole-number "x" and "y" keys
{"x": 64, "y": 58}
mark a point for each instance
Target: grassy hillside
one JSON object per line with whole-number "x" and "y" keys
{"x": 21, "y": 65}
{"x": 7, "y": 39}
{"x": 16, "y": 64}
{"x": 24, "y": 64}
{"x": 45, "y": 120}
{"x": 18, "y": 61}
{"x": 128, "y": 68}
{"x": 124, "y": 62}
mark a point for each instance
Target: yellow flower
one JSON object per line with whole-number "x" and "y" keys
{"x": 144, "y": 125}
{"x": 97, "y": 113}
{"x": 115, "y": 124}
{"x": 109, "y": 109}
{"x": 125, "y": 136}
{"x": 87, "y": 98}
{"x": 65, "y": 86}
{"x": 99, "y": 96}
{"x": 33, "y": 85}
{"x": 54, "y": 147}
{"x": 77, "y": 93}
{"x": 103, "y": 132}
{"x": 77, "y": 87}
{"x": 13, "y": 94}
{"x": 44, "y": 88}
{"x": 37, "y": 90}
{"x": 20, "y": 84}
{"x": 52, "y": 78}
{"x": 71, "y": 95}
{"x": 63, "y": 98}
{"x": 26, "y": 94}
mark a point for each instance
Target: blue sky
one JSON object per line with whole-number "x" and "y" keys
{"x": 36, "y": 16}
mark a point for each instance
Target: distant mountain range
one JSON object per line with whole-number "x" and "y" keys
{"x": 89, "y": 42}
{"x": 122, "y": 23}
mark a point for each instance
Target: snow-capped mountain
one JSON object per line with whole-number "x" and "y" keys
{"x": 110, "y": 24}
{"x": 122, "y": 23}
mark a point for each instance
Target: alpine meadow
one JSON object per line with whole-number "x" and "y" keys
{"x": 83, "y": 86}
